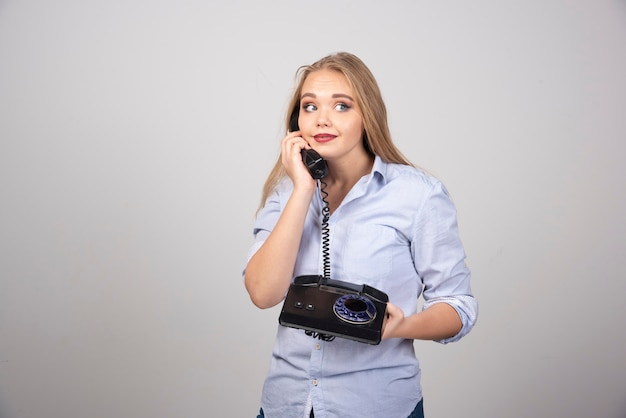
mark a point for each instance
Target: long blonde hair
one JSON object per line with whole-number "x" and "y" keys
{"x": 376, "y": 136}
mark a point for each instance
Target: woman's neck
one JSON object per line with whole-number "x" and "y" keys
{"x": 342, "y": 177}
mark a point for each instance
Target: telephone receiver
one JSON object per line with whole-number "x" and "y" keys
{"x": 311, "y": 158}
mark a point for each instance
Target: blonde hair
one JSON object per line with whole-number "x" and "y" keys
{"x": 376, "y": 136}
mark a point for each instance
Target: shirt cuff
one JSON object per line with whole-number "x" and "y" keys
{"x": 467, "y": 308}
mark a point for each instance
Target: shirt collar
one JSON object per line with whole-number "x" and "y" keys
{"x": 379, "y": 169}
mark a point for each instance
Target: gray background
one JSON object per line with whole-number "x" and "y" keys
{"x": 135, "y": 138}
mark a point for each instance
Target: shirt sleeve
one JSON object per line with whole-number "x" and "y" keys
{"x": 264, "y": 224}
{"x": 439, "y": 259}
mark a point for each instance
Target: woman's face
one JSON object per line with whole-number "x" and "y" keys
{"x": 330, "y": 119}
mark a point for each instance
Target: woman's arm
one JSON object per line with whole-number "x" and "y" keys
{"x": 440, "y": 321}
{"x": 450, "y": 310}
{"x": 269, "y": 271}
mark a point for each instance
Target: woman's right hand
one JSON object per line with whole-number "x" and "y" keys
{"x": 291, "y": 148}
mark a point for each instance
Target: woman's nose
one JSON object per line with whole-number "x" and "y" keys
{"x": 322, "y": 120}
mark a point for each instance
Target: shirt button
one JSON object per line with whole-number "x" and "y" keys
{"x": 318, "y": 346}
{"x": 314, "y": 382}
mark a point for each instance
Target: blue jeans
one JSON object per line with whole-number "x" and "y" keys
{"x": 418, "y": 412}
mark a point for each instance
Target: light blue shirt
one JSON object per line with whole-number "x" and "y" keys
{"x": 396, "y": 230}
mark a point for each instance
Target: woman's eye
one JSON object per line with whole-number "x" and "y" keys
{"x": 342, "y": 107}
{"x": 309, "y": 108}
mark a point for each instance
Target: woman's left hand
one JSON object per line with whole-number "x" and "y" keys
{"x": 393, "y": 319}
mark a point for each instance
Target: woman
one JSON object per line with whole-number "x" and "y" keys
{"x": 391, "y": 226}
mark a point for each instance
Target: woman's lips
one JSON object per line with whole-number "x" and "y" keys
{"x": 324, "y": 137}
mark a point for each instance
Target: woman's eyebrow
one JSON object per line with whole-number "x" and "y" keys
{"x": 345, "y": 96}
{"x": 334, "y": 96}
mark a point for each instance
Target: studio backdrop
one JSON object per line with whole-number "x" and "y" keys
{"x": 135, "y": 137}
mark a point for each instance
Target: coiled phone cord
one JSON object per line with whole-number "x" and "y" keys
{"x": 325, "y": 231}
{"x": 325, "y": 252}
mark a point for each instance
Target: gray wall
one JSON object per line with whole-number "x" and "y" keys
{"x": 135, "y": 138}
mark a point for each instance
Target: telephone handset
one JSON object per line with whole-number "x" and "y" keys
{"x": 311, "y": 158}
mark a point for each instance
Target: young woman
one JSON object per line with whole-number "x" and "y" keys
{"x": 390, "y": 226}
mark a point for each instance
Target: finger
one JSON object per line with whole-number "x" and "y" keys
{"x": 292, "y": 138}
{"x": 296, "y": 144}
